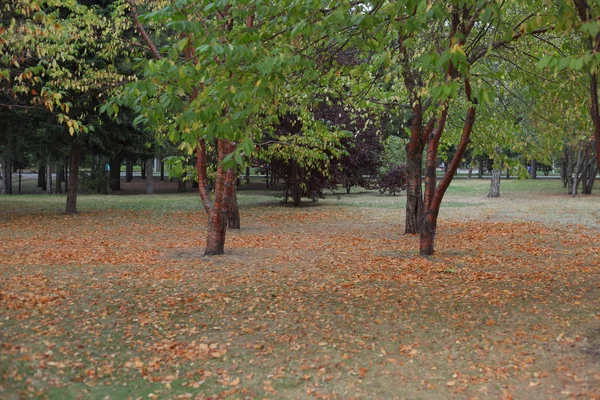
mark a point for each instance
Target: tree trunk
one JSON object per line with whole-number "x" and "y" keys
{"x": 233, "y": 217}
{"x": 217, "y": 221}
{"x": 533, "y": 168}
{"x": 201, "y": 170}
{"x": 6, "y": 176}
{"x": 115, "y": 174}
{"x": 495, "y": 183}
{"x": 181, "y": 185}
{"x": 295, "y": 184}
{"x": 49, "y": 178}
{"x": 414, "y": 152}
{"x": 20, "y": 175}
{"x": 414, "y": 194}
{"x": 42, "y": 177}
{"x": 470, "y": 174}
{"x": 60, "y": 176}
{"x": 480, "y": 172}
{"x": 73, "y": 178}
{"x": 128, "y": 170}
{"x": 247, "y": 175}
{"x": 162, "y": 170}
{"x": 434, "y": 195}
{"x": 149, "y": 176}
{"x": 67, "y": 162}
{"x": 267, "y": 177}
{"x": 143, "y": 168}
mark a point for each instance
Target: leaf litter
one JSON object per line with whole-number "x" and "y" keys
{"x": 326, "y": 302}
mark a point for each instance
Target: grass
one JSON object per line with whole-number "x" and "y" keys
{"x": 329, "y": 300}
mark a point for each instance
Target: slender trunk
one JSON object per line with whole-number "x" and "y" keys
{"x": 480, "y": 172}
{"x": 563, "y": 164}
{"x": 128, "y": 171}
{"x": 203, "y": 187}
{"x": 181, "y": 185}
{"x": 115, "y": 174}
{"x": 49, "y": 178}
{"x": 42, "y": 177}
{"x": 60, "y": 176}
{"x": 20, "y": 174}
{"x": 533, "y": 168}
{"x": 591, "y": 178}
{"x": 162, "y": 170}
{"x": 496, "y": 175}
{"x": 434, "y": 195}
{"x": 570, "y": 167}
{"x": 73, "y": 178}
{"x": 7, "y": 176}
{"x": 247, "y": 175}
{"x": 495, "y": 183}
{"x": 595, "y": 111}
{"x": 431, "y": 210}
{"x": 67, "y": 162}
{"x": 414, "y": 194}
{"x": 149, "y": 176}
{"x": 233, "y": 217}
{"x": 414, "y": 189}
{"x": 296, "y": 184}
{"x": 470, "y": 174}
{"x": 143, "y": 168}
{"x": 217, "y": 221}
{"x": 267, "y": 177}
{"x": 578, "y": 170}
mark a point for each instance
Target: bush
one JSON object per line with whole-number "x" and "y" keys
{"x": 394, "y": 180}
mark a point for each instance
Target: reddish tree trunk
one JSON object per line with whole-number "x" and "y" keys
{"x": 217, "y": 221}
{"x": 233, "y": 218}
{"x": 414, "y": 190}
{"x": 73, "y": 178}
{"x": 203, "y": 177}
{"x": 595, "y": 111}
{"x": 433, "y": 194}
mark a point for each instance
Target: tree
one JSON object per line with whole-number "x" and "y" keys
{"x": 227, "y": 72}
{"x": 61, "y": 58}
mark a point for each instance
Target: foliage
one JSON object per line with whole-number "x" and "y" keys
{"x": 394, "y": 180}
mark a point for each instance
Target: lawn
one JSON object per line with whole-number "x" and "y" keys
{"x": 329, "y": 300}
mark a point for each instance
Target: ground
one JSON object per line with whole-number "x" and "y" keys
{"x": 329, "y": 300}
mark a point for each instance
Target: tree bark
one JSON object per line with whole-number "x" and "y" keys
{"x": 115, "y": 174}
{"x": 233, "y": 217}
{"x": 149, "y": 176}
{"x": 496, "y": 176}
{"x": 42, "y": 177}
{"x": 128, "y": 170}
{"x": 414, "y": 195}
{"x": 60, "y": 177}
{"x": 6, "y": 176}
{"x": 203, "y": 187}
{"x": 143, "y": 168}
{"x": 162, "y": 170}
{"x": 217, "y": 221}
{"x": 73, "y": 178}
{"x": 533, "y": 168}
{"x": 49, "y": 178}
{"x": 414, "y": 189}
{"x": 480, "y": 172}
{"x": 495, "y": 183}
{"x": 434, "y": 195}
